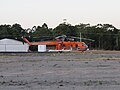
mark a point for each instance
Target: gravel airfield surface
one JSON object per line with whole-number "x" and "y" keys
{"x": 91, "y": 70}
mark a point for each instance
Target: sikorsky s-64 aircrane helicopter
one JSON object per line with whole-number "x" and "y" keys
{"x": 62, "y": 44}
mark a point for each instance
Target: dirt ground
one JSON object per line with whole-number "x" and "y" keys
{"x": 92, "y": 70}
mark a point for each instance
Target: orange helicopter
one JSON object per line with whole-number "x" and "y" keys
{"x": 61, "y": 43}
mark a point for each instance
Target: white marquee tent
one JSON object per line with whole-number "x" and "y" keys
{"x": 11, "y": 45}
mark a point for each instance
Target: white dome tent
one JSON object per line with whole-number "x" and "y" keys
{"x": 11, "y": 45}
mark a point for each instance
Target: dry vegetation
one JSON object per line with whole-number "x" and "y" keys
{"x": 91, "y": 70}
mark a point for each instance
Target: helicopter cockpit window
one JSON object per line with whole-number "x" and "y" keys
{"x": 84, "y": 44}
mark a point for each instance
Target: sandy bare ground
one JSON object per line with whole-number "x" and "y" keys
{"x": 92, "y": 70}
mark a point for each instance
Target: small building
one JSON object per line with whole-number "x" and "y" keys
{"x": 11, "y": 45}
{"x": 42, "y": 48}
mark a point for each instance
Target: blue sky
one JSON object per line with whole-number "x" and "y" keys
{"x": 31, "y": 13}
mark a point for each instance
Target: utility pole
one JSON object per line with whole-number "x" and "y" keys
{"x": 117, "y": 41}
{"x": 64, "y": 21}
{"x": 80, "y": 37}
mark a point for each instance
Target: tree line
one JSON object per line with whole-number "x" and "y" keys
{"x": 105, "y": 36}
